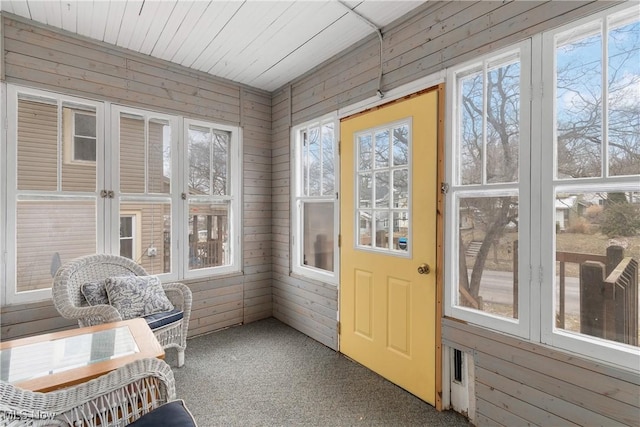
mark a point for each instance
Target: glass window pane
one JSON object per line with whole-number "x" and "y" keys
{"x": 85, "y": 125}
{"x": 37, "y": 146}
{"x": 364, "y": 228}
{"x": 382, "y": 189}
{"x": 220, "y": 163}
{"x": 48, "y": 234}
{"x": 382, "y": 149}
{"x": 401, "y": 145}
{"x": 382, "y": 229}
{"x": 579, "y": 102}
{"x": 126, "y": 248}
{"x": 401, "y": 231}
{"x": 328, "y": 170}
{"x": 471, "y": 129}
{"x": 624, "y": 95}
{"x": 487, "y": 265}
{"x": 365, "y": 152}
{"x": 503, "y": 123}
{"x": 153, "y": 240}
{"x": 159, "y": 157}
{"x": 365, "y": 190}
{"x": 199, "y": 152}
{"x": 208, "y": 235}
{"x": 79, "y": 149}
{"x": 597, "y": 254}
{"x": 313, "y": 164}
{"x": 126, "y": 226}
{"x": 318, "y": 235}
{"x": 84, "y": 149}
{"x": 401, "y": 188}
{"x": 132, "y": 154}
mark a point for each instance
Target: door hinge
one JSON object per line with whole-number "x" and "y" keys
{"x": 444, "y": 187}
{"x": 339, "y": 148}
{"x": 339, "y": 240}
{"x": 339, "y": 328}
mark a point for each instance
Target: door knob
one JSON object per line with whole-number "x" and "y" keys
{"x": 424, "y": 269}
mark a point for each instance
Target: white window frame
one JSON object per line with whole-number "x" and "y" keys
{"x": 609, "y": 351}
{"x": 234, "y": 198}
{"x": 520, "y": 326}
{"x": 298, "y": 199}
{"x": 537, "y": 197}
{"x": 10, "y": 293}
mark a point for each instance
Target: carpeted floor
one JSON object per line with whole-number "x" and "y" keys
{"x": 268, "y": 374}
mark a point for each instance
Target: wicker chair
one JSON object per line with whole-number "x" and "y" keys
{"x": 114, "y": 399}
{"x": 71, "y": 304}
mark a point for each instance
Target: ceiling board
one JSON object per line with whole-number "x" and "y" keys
{"x": 260, "y": 43}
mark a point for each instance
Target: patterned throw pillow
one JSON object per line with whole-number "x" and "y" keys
{"x": 137, "y": 296}
{"x": 95, "y": 292}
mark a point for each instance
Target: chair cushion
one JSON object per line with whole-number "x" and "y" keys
{"x": 95, "y": 293}
{"x": 174, "y": 413}
{"x": 137, "y": 296}
{"x": 158, "y": 320}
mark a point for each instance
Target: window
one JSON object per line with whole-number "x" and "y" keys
{"x": 53, "y": 206}
{"x": 79, "y": 134}
{"x": 314, "y": 201}
{"x": 214, "y": 201}
{"x": 70, "y": 193}
{"x": 383, "y": 187}
{"x": 544, "y": 236}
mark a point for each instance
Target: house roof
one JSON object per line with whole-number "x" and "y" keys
{"x": 264, "y": 44}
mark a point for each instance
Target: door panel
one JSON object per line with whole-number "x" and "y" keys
{"x": 388, "y": 229}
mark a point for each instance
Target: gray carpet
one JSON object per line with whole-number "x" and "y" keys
{"x": 268, "y": 374}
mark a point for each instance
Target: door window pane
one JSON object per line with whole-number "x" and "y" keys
{"x": 318, "y": 235}
{"x": 488, "y": 254}
{"x": 159, "y": 157}
{"x": 154, "y": 234}
{"x": 132, "y": 154}
{"x": 383, "y": 187}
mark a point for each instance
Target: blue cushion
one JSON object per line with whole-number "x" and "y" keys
{"x": 170, "y": 414}
{"x": 157, "y": 320}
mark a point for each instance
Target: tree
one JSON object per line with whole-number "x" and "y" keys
{"x": 620, "y": 218}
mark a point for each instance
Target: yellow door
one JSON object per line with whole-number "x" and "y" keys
{"x": 388, "y": 232}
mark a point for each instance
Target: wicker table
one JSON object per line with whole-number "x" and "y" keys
{"x": 61, "y": 359}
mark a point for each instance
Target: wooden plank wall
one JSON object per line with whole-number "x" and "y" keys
{"x": 441, "y": 34}
{"x": 37, "y": 56}
{"x": 520, "y": 383}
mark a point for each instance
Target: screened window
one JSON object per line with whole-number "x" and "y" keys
{"x": 314, "y": 245}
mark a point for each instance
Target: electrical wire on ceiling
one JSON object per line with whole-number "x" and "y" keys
{"x": 379, "y": 33}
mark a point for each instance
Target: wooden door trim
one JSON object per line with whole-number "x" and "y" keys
{"x": 440, "y": 243}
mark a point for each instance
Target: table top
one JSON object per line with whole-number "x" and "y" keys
{"x": 60, "y": 359}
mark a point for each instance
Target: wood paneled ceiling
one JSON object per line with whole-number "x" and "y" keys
{"x": 264, "y": 44}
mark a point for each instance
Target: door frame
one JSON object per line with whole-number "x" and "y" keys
{"x": 428, "y": 84}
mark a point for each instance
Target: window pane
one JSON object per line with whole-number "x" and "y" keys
{"x": 487, "y": 265}
{"x": 401, "y": 188}
{"x": 208, "y": 235}
{"x": 382, "y": 149}
{"x": 37, "y": 146}
{"x": 79, "y": 149}
{"x": 503, "y": 123}
{"x": 364, "y": 230}
{"x": 579, "y": 102}
{"x": 85, "y": 125}
{"x": 365, "y": 188}
{"x": 471, "y": 129}
{"x": 365, "y": 152}
{"x": 132, "y": 154}
{"x": 153, "y": 245}
{"x": 382, "y": 229}
{"x": 401, "y": 145}
{"x": 382, "y": 189}
{"x": 208, "y": 161}
{"x": 159, "y": 157}
{"x": 199, "y": 178}
{"x": 624, "y": 95}
{"x": 318, "y": 235}
{"x": 48, "y": 234}
{"x": 597, "y": 254}
{"x": 126, "y": 248}
{"x": 312, "y": 164}
{"x": 328, "y": 170}
{"x": 84, "y": 149}
{"x": 401, "y": 230}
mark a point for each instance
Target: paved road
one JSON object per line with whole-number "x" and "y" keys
{"x": 497, "y": 286}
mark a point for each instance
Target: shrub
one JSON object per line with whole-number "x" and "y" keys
{"x": 579, "y": 225}
{"x": 620, "y": 219}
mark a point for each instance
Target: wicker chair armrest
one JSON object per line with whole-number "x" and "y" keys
{"x": 105, "y": 312}
{"x": 180, "y": 295}
{"x": 116, "y": 398}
